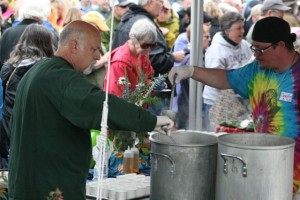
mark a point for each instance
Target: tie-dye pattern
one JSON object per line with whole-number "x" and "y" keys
{"x": 274, "y": 99}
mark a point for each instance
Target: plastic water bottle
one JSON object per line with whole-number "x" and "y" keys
{"x": 97, "y": 155}
{"x": 98, "y": 167}
{"x": 128, "y": 161}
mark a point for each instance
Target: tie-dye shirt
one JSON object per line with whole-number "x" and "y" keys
{"x": 274, "y": 100}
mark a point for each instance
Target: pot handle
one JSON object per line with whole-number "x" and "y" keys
{"x": 153, "y": 154}
{"x": 225, "y": 167}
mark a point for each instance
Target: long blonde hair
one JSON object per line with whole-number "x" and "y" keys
{"x": 72, "y": 15}
{"x": 212, "y": 9}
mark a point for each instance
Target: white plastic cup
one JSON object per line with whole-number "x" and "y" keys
{"x": 90, "y": 190}
{"x": 140, "y": 177}
{"x": 112, "y": 193}
{"x": 124, "y": 183}
{"x": 121, "y": 194}
{"x": 104, "y": 191}
{"x": 131, "y": 192}
{"x": 141, "y": 190}
{"x": 148, "y": 178}
{"x": 148, "y": 189}
{"x": 122, "y": 177}
{"x": 109, "y": 180}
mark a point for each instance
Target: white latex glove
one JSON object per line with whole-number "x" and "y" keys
{"x": 178, "y": 73}
{"x": 164, "y": 125}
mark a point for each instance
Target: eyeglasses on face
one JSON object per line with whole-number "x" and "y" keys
{"x": 148, "y": 45}
{"x": 206, "y": 36}
{"x": 261, "y": 51}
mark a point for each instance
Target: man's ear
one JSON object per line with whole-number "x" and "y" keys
{"x": 281, "y": 44}
{"x": 73, "y": 45}
{"x": 269, "y": 13}
{"x": 131, "y": 35}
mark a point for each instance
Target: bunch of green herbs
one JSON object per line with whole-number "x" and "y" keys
{"x": 141, "y": 96}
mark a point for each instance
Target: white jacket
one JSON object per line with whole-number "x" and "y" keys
{"x": 223, "y": 55}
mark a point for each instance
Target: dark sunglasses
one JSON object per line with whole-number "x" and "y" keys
{"x": 146, "y": 46}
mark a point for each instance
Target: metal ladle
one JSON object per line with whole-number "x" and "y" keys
{"x": 169, "y": 136}
{"x": 170, "y": 113}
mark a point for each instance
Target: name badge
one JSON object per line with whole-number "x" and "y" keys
{"x": 287, "y": 97}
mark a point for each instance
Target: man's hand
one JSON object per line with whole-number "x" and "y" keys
{"x": 164, "y": 125}
{"x": 178, "y": 73}
{"x": 164, "y": 30}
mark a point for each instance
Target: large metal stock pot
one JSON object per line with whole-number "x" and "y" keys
{"x": 183, "y": 167}
{"x": 254, "y": 166}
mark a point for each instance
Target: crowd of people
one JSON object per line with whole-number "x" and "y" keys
{"x": 54, "y": 58}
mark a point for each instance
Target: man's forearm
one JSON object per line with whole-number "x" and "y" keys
{"x": 213, "y": 77}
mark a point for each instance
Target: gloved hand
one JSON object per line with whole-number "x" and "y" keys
{"x": 178, "y": 73}
{"x": 164, "y": 125}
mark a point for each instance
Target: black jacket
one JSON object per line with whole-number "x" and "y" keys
{"x": 9, "y": 92}
{"x": 161, "y": 59}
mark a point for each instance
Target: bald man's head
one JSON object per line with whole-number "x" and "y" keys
{"x": 77, "y": 29}
{"x": 79, "y": 44}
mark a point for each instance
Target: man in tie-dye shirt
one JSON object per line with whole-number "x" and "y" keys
{"x": 271, "y": 82}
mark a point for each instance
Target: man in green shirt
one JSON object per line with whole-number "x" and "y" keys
{"x": 55, "y": 107}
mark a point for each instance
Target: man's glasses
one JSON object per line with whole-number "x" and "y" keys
{"x": 261, "y": 51}
{"x": 148, "y": 45}
{"x": 206, "y": 36}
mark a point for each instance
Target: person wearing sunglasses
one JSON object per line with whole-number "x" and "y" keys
{"x": 162, "y": 59}
{"x": 270, "y": 82}
{"x": 131, "y": 59}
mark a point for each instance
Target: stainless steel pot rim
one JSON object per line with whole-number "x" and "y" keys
{"x": 169, "y": 141}
{"x": 285, "y": 141}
